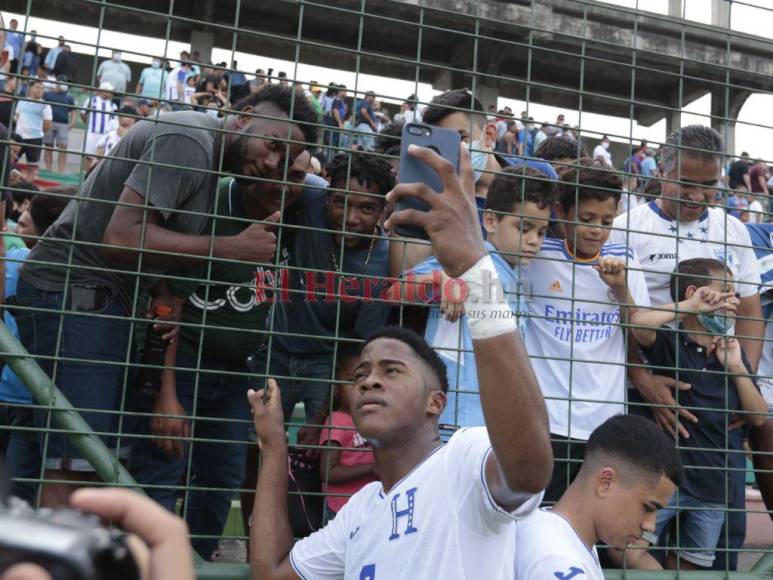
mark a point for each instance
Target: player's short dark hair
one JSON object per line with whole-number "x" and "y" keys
{"x": 554, "y": 148}
{"x": 695, "y": 272}
{"x": 639, "y": 443}
{"x": 419, "y": 346}
{"x": 518, "y": 185}
{"x": 587, "y": 182}
{"x": 295, "y": 105}
{"x": 367, "y": 168}
{"x": 46, "y": 207}
{"x": 450, "y": 102}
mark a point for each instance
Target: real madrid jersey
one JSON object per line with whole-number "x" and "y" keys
{"x": 661, "y": 243}
{"x": 439, "y": 521}
{"x": 575, "y": 341}
{"x": 549, "y": 547}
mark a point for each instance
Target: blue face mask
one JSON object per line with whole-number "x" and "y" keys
{"x": 717, "y": 324}
{"x": 478, "y": 158}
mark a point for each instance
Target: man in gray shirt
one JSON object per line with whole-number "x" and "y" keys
{"x": 116, "y": 72}
{"x": 142, "y": 213}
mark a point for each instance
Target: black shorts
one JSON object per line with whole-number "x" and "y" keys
{"x": 31, "y": 148}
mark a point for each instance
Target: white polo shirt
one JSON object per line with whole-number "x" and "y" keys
{"x": 549, "y": 548}
{"x": 439, "y": 521}
{"x": 661, "y": 243}
{"x": 575, "y": 340}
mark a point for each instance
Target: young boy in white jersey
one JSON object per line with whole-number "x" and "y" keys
{"x": 630, "y": 470}
{"x": 441, "y": 510}
{"x": 516, "y": 220}
{"x": 579, "y": 290}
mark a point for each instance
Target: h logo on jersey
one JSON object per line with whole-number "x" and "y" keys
{"x": 573, "y": 571}
{"x": 397, "y": 515}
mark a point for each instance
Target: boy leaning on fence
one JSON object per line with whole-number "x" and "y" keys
{"x": 579, "y": 290}
{"x": 704, "y": 352}
{"x": 515, "y": 220}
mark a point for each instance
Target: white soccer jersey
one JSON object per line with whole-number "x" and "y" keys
{"x": 661, "y": 243}
{"x": 575, "y": 342}
{"x": 439, "y": 521}
{"x": 549, "y": 548}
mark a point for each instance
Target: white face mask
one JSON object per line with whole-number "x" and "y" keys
{"x": 117, "y": 57}
{"x": 605, "y": 145}
{"x": 478, "y": 158}
{"x": 155, "y": 64}
{"x": 63, "y": 88}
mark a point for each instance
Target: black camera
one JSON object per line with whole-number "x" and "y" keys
{"x": 68, "y": 544}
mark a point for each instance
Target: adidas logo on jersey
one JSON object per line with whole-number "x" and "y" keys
{"x": 555, "y": 287}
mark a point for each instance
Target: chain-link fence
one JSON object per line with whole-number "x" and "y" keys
{"x": 225, "y": 165}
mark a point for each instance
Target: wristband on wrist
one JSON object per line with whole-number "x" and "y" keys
{"x": 487, "y": 311}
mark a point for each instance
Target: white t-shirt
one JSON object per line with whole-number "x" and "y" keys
{"x": 600, "y": 153}
{"x": 755, "y": 212}
{"x": 30, "y": 116}
{"x": 175, "y": 78}
{"x": 188, "y": 93}
{"x": 661, "y": 243}
{"x": 549, "y": 548}
{"x": 575, "y": 342}
{"x": 439, "y": 521}
{"x": 100, "y": 115}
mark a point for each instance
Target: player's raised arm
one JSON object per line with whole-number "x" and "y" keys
{"x": 513, "y": 407}
{"x": 270, "y": 535}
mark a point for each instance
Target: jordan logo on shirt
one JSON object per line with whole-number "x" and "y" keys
{"x": 573, "y": 571}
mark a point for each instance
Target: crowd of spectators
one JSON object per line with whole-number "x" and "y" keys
{"x": 255, "y": 209}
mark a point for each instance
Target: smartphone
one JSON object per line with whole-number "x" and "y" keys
{"x": 446, "y": 143}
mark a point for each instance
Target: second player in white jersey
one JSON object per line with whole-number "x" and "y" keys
{"x": 395, "y": 535}
{"x": 549, "y": 547}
